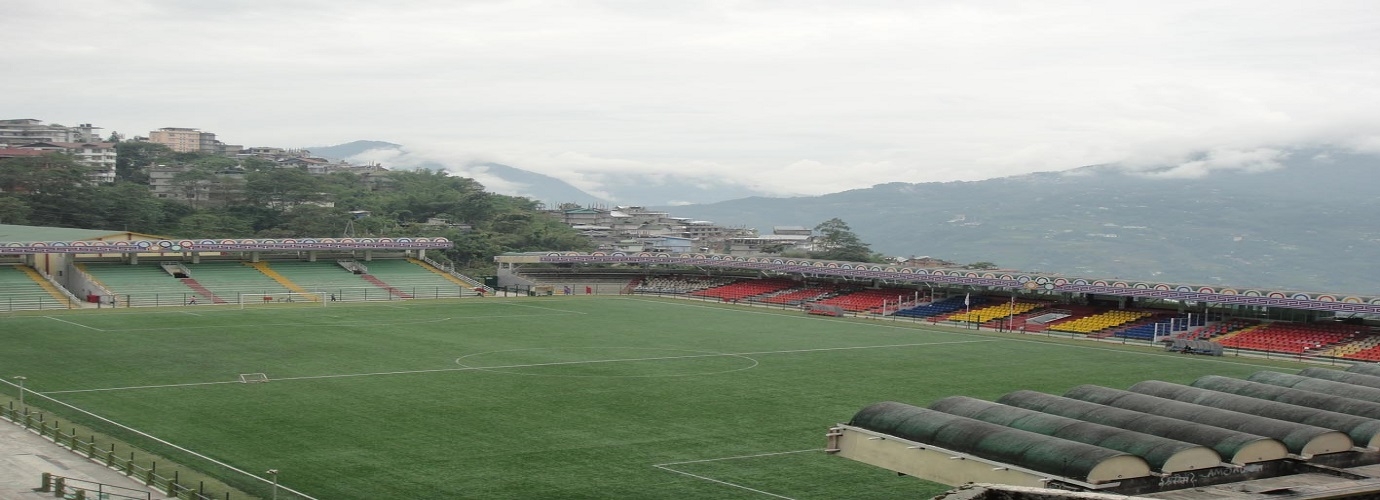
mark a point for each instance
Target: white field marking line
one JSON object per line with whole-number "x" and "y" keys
{"x": 191, "y": 313}
{"x": 536, "y": 365}
{"x": 75, "y": 324}
{"x": 143, "y": 387}
{"x": 923, "y": 328}
{"x": 241, "y": 325}
{"x": 544, "y": 308}
{"x": 725, "y": 483}
{"x": 740, "y": 456}
{"x": 174, "y": 446}
{"x": 666, "y": 467}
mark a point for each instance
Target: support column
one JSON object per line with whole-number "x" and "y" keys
{"x": 254, "y": 256}
{"x": 368, "y": 255}
{"x": 196, "y": 257}
{"x": 133, "y": 259}
{"x": 311, "y": 256}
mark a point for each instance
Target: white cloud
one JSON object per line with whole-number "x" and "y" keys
{"x": 793, "y": 98}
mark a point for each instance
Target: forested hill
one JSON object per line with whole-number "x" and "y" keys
{"x": 1307, "y": 222}
{"x": 259, "y": 199}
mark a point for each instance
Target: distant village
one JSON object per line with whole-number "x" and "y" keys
{"x": 612, "y": 229}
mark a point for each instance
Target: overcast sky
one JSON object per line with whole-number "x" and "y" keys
{"x": 793, "y": 97}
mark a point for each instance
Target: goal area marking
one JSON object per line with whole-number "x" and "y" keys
{"x": 253, "y": 378}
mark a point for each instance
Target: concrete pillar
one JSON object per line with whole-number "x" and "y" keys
{"x": 368, "y": 255}
{"x": 133, "y": 259}
{"x": 254, "y": 256}
{"x": 311, "y": 256}
{"x": 196, "y": 257}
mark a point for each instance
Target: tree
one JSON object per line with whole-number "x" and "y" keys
{"x": 132, "y": 159}
{"x": 13, "y": 210}
{"x": 982, "y": 266}
{"x": 282, "y": 187}
{"x": 838, "y": 242}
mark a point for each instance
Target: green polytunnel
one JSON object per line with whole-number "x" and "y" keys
{"x": 1301, "y": 439}
{"x": 1365, "y": 369}
{"x": 1300, "y": 382}
{"x": 1163, "y": 454}
{"x": 1037, "y": 452}
{"x": 1235, "y": 446}
{"x": 1289, "y": 395}
{"x": 1353, "y": 378}
{"x": 1363, "y": 431}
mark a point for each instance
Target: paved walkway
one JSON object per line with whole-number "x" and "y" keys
{"x": 24, "y": 457}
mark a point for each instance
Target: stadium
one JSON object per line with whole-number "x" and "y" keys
{"x": 359, "y": 368}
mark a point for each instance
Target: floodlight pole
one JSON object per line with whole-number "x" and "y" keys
{"x": 21, "y": 380}
{"x": 274, "y": 473}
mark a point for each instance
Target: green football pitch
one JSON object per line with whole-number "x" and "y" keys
{"x": 547, "y": 397}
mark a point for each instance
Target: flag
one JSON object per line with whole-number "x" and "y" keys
{"x": 965, "y": 299}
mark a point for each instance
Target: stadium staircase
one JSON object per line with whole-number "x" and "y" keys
{"x": 46, "y": 286}
{"x": 263, "y": 267}
{"x": 19, "y": 290}
{"x": 390, "y": 288}
{"x": 434, "y": 270}
{"x": 417, "y": 281}
{"x": 231, "y": 279}
{"x": 140, "y": 284}
{"x": 202, "y": 290}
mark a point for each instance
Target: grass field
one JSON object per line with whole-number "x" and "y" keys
{"x": 551, "y": 397}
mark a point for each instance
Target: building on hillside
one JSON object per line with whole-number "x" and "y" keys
{"x": 796, "y": 230}
{"x": 100, "y": 156}
{"x": 15, "y": 132}
{"x": 168, "y": 182}
{"x": 191, "y": 140}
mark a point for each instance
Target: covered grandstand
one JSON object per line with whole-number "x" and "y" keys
{"x": 123, "y": 269}
{"x": 1220, "y": 438}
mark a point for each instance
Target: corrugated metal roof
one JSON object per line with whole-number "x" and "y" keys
{"x": 15, "y": 233}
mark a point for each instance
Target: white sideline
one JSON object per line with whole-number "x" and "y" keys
{"x": 534, "y": 365}
{"x": 666, "y": 467}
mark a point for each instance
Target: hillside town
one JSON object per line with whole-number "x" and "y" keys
{"x": 607, "y": 228}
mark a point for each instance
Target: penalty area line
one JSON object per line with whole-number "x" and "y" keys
{"x": 666, "y": 467}
{"x": 192, "y": 384}
{"x": 74, "y": 323}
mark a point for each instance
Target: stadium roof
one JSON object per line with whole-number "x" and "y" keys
{"x": 9, "y": 232}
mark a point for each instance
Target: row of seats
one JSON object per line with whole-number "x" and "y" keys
{"x": 800, "y": 295}
{"x": 1098, "y": 322}
{"x": 744, "y": 289}
{"x": 19, "y": 291}
{"x": 1291, "y": 338}
{"x": 869, "y": 299}
{"x": 945, "y": 306}
{"x": 678, "y": 284}
{"x": 989, "y": 313}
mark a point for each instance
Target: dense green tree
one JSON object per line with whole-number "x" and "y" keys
{"x": 13, "y": 210}
{"x": 207, "y": 224}
{"x": 282, "y": 187}
{"x": 131, "y": 207}
{"x": 314, "y": 220}
{"x": 837, "y": 241}
{"x": 132, "y": 159}
{"x": 251, "y": 197}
